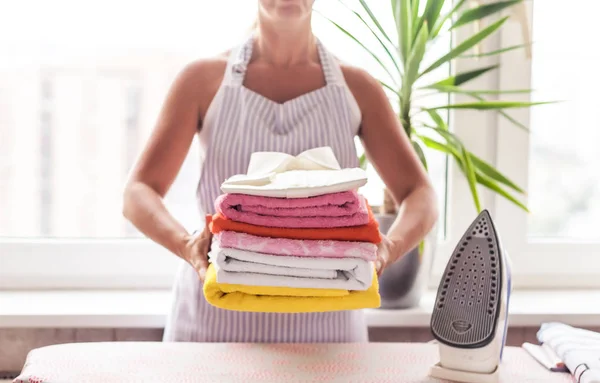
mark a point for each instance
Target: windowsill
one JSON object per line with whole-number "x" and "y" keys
{"x": 148, "y": 309}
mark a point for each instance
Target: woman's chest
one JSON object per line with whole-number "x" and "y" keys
{"x": 283, "y": 85}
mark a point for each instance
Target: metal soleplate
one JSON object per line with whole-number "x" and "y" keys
{"x": 468, "y": 300}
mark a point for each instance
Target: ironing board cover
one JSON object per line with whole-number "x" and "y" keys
{"x": 223, "y": 362}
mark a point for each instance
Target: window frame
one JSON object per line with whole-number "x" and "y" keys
{"x": 542, "y": 261}
{"x": 536, "y": 264}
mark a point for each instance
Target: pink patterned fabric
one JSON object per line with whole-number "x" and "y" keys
{"x": 327, "y": 205}
{"x": 329, "y": 210}
{"x": 297, "y": 247}
{"x": 256, "y": 362}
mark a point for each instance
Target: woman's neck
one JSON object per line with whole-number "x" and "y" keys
{"x": 285, "y": 48}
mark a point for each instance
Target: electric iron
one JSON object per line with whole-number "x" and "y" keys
{"x": 470, "y": 316}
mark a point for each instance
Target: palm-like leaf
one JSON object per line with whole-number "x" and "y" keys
{"x": 418, "y": 23}
{"x": 466, "y": 45}
{"x": 373, "y": 54}
{"x": 414, "y": 60}
{"x": 384, "y": 45}
{"x": 464, "y": 77}
{"x": 432, "y": 12}
{"x": 421, "y": 154}
{"x": 482, "y": 177}
{"x": 405, "y": 29}
{"x": 482, "y": 11}
{"x": 456, "y": 89}
{"x": 442, "y": 20}
{"x": 496, "y": 52}
{"x": 490, "y": 105}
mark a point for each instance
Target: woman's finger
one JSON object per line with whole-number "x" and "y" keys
{"x": 380, "y": 265}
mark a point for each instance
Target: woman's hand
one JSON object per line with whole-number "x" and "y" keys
{"x": 195, "y": 249}
{"x": 388, "y": 252}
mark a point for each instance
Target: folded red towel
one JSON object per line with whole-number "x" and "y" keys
{"x": 363, "y": 233}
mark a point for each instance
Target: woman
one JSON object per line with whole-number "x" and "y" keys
{"x": 279, "y": 91}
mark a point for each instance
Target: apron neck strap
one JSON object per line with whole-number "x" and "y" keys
{"x": 240, "y": 57}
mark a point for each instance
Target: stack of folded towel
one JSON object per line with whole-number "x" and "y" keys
{"x": 312, "y": 252}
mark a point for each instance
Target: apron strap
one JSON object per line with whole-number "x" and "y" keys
{"x": 329, "y": 65}
{"x": 238, "y": 62}
{"x": 240, "y": 57}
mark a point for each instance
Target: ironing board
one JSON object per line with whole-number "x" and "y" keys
{"x": 233, "y": 362}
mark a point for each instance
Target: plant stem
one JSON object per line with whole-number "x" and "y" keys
{"x": 404, "y": 116}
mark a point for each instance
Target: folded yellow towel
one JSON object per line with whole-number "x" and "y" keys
{"x": 286, "y": 299}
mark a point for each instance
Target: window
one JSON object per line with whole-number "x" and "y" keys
{"x": 79, "y": 106}
{"x": 564, "y": 181}
{"x": 78, "y": 101}
{"x": 79, "y": 95}
{"x": 558, "y": 240}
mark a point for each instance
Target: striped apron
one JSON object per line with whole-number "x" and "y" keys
{"x": 238, "y": 123}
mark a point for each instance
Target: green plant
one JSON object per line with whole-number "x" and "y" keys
{"x": 401, "y": 54}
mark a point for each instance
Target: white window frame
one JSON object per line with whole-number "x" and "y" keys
{"x": 536, "y": 264}
{"x": 556, "y": 263}
{"x": 139, "y": 263}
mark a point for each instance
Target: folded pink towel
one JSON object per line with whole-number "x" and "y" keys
{"x": 297, "y": 247}
{"x": 327, "y": 205}
{"x": 325, "y": 211}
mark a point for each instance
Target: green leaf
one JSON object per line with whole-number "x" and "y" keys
{"x": 384, "y": 45}
{"x": 496, "y": 52}
{"x": 462, "y": 78}
{"x": 487, "y": 182}
{"x": 432, "y": 12}
{"x": 466, "y": 45}
{"x": 391, "y": 88}
{"x": 405, "y": 29}
{"x": 420, "y": 153}
{"x": 450, "y": 137}
{"x": 362, "y": 161}
{"x": 482, "y": 11}
{"x": 375, "y": 21}
{"x": 503, "y": 114}
{"x": 430, "y": 15}
{"x": 396, "y": 12}
{"x": 493, "y": 173}
{"x": 481, "y": 178}
{"x": 415, "y": 59}
{"x": 490, "y": 105}
{"x": 385, "y": 67}
{"x": 435, "y": 116}
{"x": 511, "y": 119}
{"x": 471, "y": 178}
{"x": 455, "y": 89}
{"x": 464, "y": 161}
{"x": 439, "y": 146}
{"x": 442, "y": 20}
{"x": 414, "y": 6}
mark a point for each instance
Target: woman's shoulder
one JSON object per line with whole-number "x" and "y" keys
{"x": 364, "y": 87}
{"x": 200, "y": 79}
{"x": 358, "y": 78}
{"x": 205, "y": 69}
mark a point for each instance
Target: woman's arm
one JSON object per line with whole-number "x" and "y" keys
{"x": 390, "y": 151}
{"x": 161, "y": 160}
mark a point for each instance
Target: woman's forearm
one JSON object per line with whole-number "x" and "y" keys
{"x": 417, "y": 215}
{"x": 145, "y": 209}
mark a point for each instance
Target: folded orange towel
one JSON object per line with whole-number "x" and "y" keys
{"x": 363, "y": 233}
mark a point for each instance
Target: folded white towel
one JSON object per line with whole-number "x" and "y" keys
{"x": 310, "y": 173}
{"x": 578, "y": 348}
{"x": 257, "y": 269}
